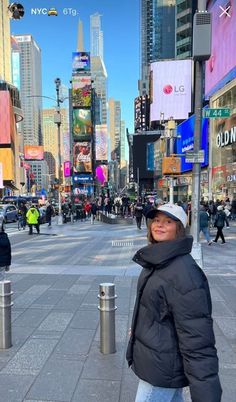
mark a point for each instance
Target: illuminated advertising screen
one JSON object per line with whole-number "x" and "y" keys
{"x": 80, "y": 62}
{"x": 67, "y": 168}
{"x": 171, "y": 89}
{"x": 101, "y": 142}
{"x": 221, "y": 67}
{"x": 33, "y": 152}
{"x": 82, "y": 178}
{"x": 7, "y": 160}
{"x": 186, "y": 142}
{"x": 7, "y": 120}
{"x": 82, "y": 157}
{"x": 102, "y": 173}
{"x": 82, "y": 124}
{"x": 83, "y": 190}
{"x": 150, "y": 156}
{"x": 81, "y": 91}
{"x": 15, "y": 57}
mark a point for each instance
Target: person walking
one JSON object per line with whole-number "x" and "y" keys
{"x": 32, "y": 217}
{"x": 204, "y": 222}
{"x": 5, "y": 254}
{"x": 94, "y": 209}
{"x": 49, "y": 213}
{"x": 220, "y": 221}
{"x": 172, "y": 343}
{"x": 138, "y": 213}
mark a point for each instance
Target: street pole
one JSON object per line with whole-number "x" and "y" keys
{"x": 57, "y": 120}
{"x": 201, "y": 53}
{"x": 196, "y": 172}
{"x": 171, "y": 138}
{"x": 138, "y": 181}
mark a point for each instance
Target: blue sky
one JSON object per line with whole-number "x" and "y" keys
{"x": 57, "y": 38}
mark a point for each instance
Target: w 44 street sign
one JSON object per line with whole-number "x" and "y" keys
{"x": 216, "y": 113}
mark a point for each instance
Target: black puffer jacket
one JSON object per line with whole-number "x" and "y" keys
{"x": 172, "y": 342}
{"x": 5, "y": 250}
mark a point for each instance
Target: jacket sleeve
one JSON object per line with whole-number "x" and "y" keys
{"x": 194, "y": 326}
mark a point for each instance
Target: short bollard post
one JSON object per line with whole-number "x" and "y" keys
{"x": 107, "y": 309}
{"x": 5, "y": 314}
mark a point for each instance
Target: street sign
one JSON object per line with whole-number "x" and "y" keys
{"x": 216, "y": 113}
{"x": 191, "y": 157}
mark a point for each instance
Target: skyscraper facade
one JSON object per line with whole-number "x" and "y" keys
{"x": 157, "y": 36}
{"x": 96, "y": 36}
{"x": 5, "y": 42}
{"x": 99, "y": 77}
{"x": 31, "y": 89}
{"x": 50, "y": 138}
{"x": 115, "y": 128}
{"x": 185, "y": 10}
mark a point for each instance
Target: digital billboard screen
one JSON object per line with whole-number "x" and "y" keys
{"x": 33, "y": 152}
{"x": 171, "y": 89}
{"x": 7, "y": 120}
{"x": 80, "y": 62}
{"x": 221, "y": 67}
{"x": 102, "y": 173}
{"x": 101, "y": 142}
{"x": 186, "y": 141}
{"x": 81, "y": 91}
{"x": 81, "y": 124}
{"x": 82, "y": 157}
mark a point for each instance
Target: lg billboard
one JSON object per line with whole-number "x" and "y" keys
{"x": 171, "y": 89}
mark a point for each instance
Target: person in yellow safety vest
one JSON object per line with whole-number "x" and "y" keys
{"x": 32, "y": 217}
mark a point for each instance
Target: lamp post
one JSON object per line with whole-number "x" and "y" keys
{"x": 57, "y": 121}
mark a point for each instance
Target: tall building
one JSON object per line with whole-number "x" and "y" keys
{"x": 157, "y": 36}
{"x": 96, "y": 36}
{"x": 5, "y": 42}
{"x": 114, "y": 128}
{"x": 50, "y": 138}
{"x": 31, "y": 89}
{"x": 185, "y": 10}
{"x": 99, "y": 77}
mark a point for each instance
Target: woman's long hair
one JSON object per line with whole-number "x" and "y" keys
{"x": 180, "y": 231}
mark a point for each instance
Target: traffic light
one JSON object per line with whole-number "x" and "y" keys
{"x": 16, "y": 11}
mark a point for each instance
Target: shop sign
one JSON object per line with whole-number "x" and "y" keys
{"x": 226, "y": 137}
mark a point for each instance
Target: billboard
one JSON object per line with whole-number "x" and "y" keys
{"x": 82, "y": 124}
{"x": 1, "y": 176}
{"x": 33, "y": 152}
{"x": 7, "y": 120}
{"x": 7, "y": 160}
{"x": 67, "y": 167}
{"x": 171, "y": 89}
{"x": 150, "y": 156}
{"x": 101, "y": 142}
{"x": 186, "y": 142}
{"x": 102, "y": 173}
{"x": 80, "y": 62}
{"x": 82, "y": 157}
{"x": 82, "y": 178}
{"x": 15, "y": 57}
{"x": 81, "y": 91}
{"x": 221, "y": 67}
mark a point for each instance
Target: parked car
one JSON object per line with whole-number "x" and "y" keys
{"x": 9, "y": 213}
{"x": 2, "y": 224}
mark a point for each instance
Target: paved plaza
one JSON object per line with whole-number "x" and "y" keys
{"x": 55, "y": 320}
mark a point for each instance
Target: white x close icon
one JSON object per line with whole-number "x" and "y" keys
{"x": 225, "y": 11}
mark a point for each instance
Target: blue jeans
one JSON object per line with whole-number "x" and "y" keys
{"x": 148, "y": 393}
{"x": 205, "y": 231}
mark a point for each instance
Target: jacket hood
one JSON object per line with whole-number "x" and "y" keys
{"x": 157, "y": 254}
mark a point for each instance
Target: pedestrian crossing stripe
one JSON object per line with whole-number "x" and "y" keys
{"x": 122, "y": 243}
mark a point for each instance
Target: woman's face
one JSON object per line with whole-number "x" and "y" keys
{"x": 163, "y": 228}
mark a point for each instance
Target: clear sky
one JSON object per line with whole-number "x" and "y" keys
{"x": 57, "y": 38}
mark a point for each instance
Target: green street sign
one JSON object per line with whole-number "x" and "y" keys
{"x": 216, "y": 113}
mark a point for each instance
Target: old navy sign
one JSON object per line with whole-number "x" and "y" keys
{"x": 226, "y": 137}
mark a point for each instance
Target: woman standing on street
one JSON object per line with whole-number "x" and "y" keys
{"x": 172, "y": 344}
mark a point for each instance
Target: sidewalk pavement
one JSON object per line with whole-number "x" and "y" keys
{"x": 55, "y": 354}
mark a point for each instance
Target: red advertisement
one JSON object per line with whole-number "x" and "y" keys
{"x": 33, "y": 152}
{"x": 7, "y": 121}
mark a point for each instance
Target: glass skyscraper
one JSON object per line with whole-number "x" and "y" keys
{"x": 157, "y": 36}
{"x": 30, "y": 87}
{"x": 96, "y": 36}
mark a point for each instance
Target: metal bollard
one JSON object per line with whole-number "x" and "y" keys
{"x": 5, "y": 314}
{"x": 107, "y": 309}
